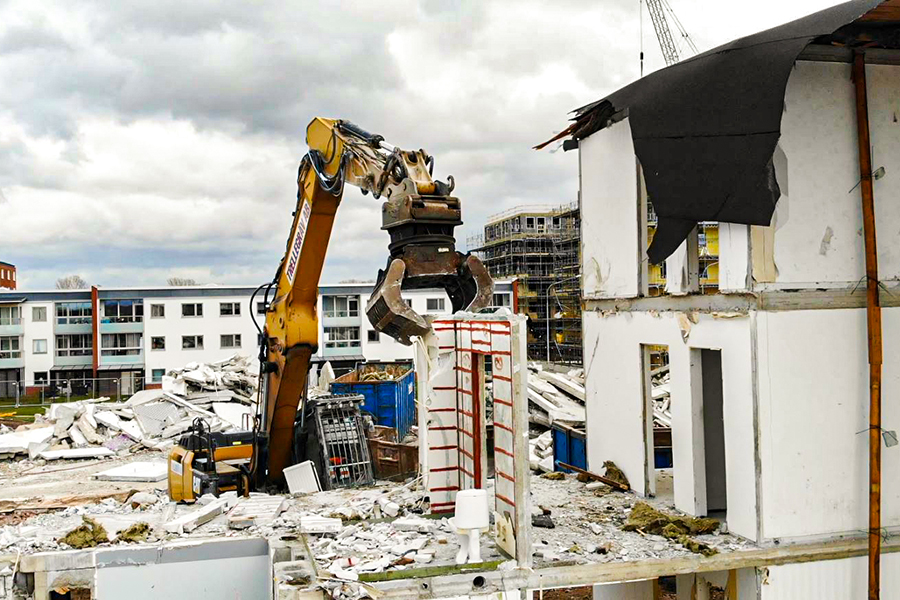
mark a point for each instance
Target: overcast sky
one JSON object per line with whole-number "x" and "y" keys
{"x": 143, "y": 140}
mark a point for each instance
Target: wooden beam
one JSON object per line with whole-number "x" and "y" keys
{"x": 610, "y": 482}
{"x": 873, "y": 320}
{"x": 488, "y": 582}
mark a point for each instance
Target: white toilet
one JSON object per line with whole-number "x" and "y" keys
{"x": 469, "y": 522}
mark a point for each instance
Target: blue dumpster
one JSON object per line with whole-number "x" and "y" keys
{"x": 569, "y": 447}
{"x": 389, "y": 389}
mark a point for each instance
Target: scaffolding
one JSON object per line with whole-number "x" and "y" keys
{"x": 540, "y": 246}
{"x": 708, "y": 247}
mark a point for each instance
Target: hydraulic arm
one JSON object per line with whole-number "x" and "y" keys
{"x": 420, "y": 215}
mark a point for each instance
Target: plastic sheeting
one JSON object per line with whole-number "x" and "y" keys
{"x": 705, "y": 129}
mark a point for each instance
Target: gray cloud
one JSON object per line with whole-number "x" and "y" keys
{"x": 141, "y": 140}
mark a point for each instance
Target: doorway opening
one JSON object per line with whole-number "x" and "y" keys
{"x": 713, "y": 413}
{"x": 658, "y": 419}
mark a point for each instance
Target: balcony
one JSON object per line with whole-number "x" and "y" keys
{"x": 12, "y": 360}
{"x": 122, "y": 359}
{"x": 70, "y": 360}
{"x": 11, "y": 326}
{"x": 354, "y": 350}
{"x": 120, "y": 326}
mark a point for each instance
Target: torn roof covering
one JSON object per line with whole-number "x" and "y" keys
{"x": 705, "y": 129}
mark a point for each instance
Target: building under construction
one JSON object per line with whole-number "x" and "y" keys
{"x": 540, "y": 246}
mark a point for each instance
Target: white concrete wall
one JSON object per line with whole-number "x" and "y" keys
{"x": 210, "y": 326}
{"x": 37, "y": 331}
{"x": 813, "y": 404}
{"x": 615, "y": 397}
{"x": 818, "y": 223}
{"x": 609, "y": 204}
{"x": 829, "y": 580}
{"x": 634, "y": 590}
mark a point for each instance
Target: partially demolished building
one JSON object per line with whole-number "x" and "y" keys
{"x": 778, "y": 137}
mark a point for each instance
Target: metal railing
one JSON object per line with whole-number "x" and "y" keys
{"x": 18, "y": 394}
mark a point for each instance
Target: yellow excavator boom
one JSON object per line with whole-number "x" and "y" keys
{"x": 419, "y": 213}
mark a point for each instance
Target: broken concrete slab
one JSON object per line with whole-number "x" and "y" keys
{"x": 148, "y": 471}
{"x": 17, "y": 442}
{"x": 78, "y": 439}
{"x": 112, "y": 421}
{"x": 74, "y": 453}
{"x": 88, "y": 430}
{"x": 194, "y": 519}
{"x": 232, "y": 412}
{"x": 143, "y": 397}
{"x": 258, "y": 509}
{"x": 317, "y": 524}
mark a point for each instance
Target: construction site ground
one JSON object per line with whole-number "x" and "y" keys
{"x": 41, "y": 503}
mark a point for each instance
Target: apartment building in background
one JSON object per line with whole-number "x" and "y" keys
{"x": 128, "y": 338}
{"x": 540, "y": 246}
{"x": 7, "y": 275}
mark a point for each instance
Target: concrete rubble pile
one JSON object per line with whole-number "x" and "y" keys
{"x": 223, "y": 394}
{"x": 555, "y": 397}
{"x": 659, "y": 383}
{"x": 540, "y": 452}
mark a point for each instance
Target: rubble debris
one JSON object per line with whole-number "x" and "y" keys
{"x": 258, "y": 509}
{"x": 17, "y": 442}
{"x": 139, "y": 532}
{"x": 193, "y": 520}
{"x": 87, "y": 535}
{"x": 555, "y": 397}
{"x": 142, "y": 499}
{"x": 646, "y": 519}
{"x": 615, "y": 473}
{"x": 620, "y": 483}
{"x": 542, "y": 520}
{"x": 554, "y": 475}
{"x": 223, "y": 393}
{"x": 138, "y": 471}
{"x": 73, "y": 453}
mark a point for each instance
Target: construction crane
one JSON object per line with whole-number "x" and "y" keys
{"x": 661, "y": 14}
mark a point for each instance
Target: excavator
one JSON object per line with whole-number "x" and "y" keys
{"x": 419, "y": 213}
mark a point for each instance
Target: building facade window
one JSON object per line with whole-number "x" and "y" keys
{"x": 10, "y": 315}
{"x": 501, "y": 300}
{"x": 73, "y": 313}
{"x": 229, "y": 309}
{"x": 340, "y": 306}
{"x": 373, "y": 336}
{"x": 192, "y": 342}
{"x": 39, "y": 314}
{"x": 261, "y": 308}
{"x": 230, "y": 340}
{"x": 40, "y": 378}
{"x": 192, "y": 310}
{"x": 435, "y": 305}
{"x": 76, "y": 344}
{"x": 158, "y": 343}
{"x": 157, "y": 375}
{"x": 39, "y": 346}
{"x": 10, "y": 347}
{"x": 121, "y": 344}
{"x": 341, "y": 337}
{"x": 157, "y": 311}
{"x": 122, "y": 311}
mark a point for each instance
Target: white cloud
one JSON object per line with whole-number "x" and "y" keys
{"x": 140, "y": 141}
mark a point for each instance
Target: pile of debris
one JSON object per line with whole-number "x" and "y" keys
{"x": 659, "y": 385}
{"x": 555, "y": 397}
{"x": 540, "y": 452}
{"x": 222, "y": 394}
